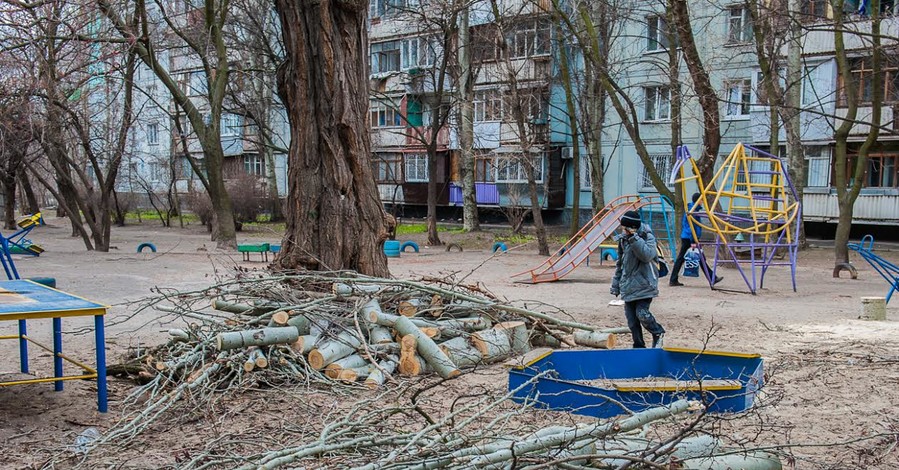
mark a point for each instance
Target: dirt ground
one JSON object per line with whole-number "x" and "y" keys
{"x": 837, "y": 376}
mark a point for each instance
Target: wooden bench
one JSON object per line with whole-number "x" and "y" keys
{"x": 261, "y": 248}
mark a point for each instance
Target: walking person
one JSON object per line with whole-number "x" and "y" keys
{"x": 636, "y": 278}
{"x": 686, "y": 241}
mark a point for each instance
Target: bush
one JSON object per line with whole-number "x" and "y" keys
{"x": 201, "y": 206}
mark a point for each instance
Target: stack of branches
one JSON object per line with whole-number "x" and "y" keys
{"x": 492, "y": 433}
{"x": 330, "y": 328}
{"x": 349, "y": 328}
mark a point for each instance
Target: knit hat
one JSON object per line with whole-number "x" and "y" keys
{"x": 631, "y": 219}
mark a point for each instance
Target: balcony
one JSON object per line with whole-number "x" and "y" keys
{"x": 485, "y": 193}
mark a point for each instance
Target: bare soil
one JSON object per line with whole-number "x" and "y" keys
{"x": 837, "y": 376}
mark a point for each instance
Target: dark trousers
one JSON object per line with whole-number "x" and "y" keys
{"x": 685, "y": 244}
{"x": 639, "y": 317}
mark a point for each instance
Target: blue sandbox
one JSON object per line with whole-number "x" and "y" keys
{"x": 558, "y": 390}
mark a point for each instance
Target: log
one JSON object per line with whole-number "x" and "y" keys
{"x": 260, "y": 337}
{"x": 595, "y": 339}
{"x": 345, "y": 290}
{"x": 333, "y": 349}
{"x": 430, "y": 331}
{"x": 416, "y": 365}
{"x": 468, "y": 324}
{"x": 493, "y": 344}
{"x": 547, "y": 340}
{"x": 378, "y": 334}
{"x": 408, "y": 308}
{"x": 354, "y": 374}
{"x": 281, "y": 317}
{"x": 425, "y": 346}
{"x": 377, "y": 376}
{"x": 180, "y": 335}
{"x": 333, "y": 369}
{"x": 304, "y": 343}
{"x": 258, "y": 358}
{"x": 242, "y": 309}
{"x": 461, "y": 352}
{"x": 408, "y": 361}
{"x": 301, "y": 323}
{"x": 518, "y": 335}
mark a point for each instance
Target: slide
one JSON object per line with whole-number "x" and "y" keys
{"x": 588, "y": 239}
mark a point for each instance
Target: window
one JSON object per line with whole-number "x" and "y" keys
{"x": 739, "y": 25}
{"x": 254, "y": 165}
{"x": 153, "y": 134}
{"x": 656, "y": 34}
{"x": 530, "y": 38}
{"x": 420, "y": 52}
{"x": 738, "y": 98}
{"x": 230, "y": 125}
{"x": 512, "y": 169}
{"x": 818, "y": 158}
{"x": 657, "y": 103}
{"x": 488, "y": 105}
{"x": 156, "y": 171}
{"x": 586, "y": 173}
{"x": 484, "y": 170}
{"x": 385, "y": 57}
{"x": 662, "y": 164}
{"x": 386, "y": 167}
{"x": 812, "y": 10}
{"x": 385, "y": 114}
{"x": 809, "y": 83}
{"x": 381, "y": 8}
{"x": 416, "y": 168}
{"x": 882, "y": 170}
{"x": 861, "y": 69}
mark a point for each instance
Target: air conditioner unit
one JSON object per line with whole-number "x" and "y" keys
{"x": 567, "y": 153}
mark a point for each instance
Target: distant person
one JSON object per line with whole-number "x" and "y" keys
{"x": 636, "y": 279}
{"x": 686, "y": 241}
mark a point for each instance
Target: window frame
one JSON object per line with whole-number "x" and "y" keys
{"x": 530, "y": 38}
{"x": 254, "y": 164}
{"x": 417, "y": 163}
{"x": 393, "y": 117}
{"x": 662, "y": 162}
{"x": 586, "y": 170}
{"x": 391, "y": 164}
{"x": 504, "y": 163}
{"x": 654, "y": 104}
{"x": 745, "y": 102}
{"x": 657, "y": 33}
{"x": 380, "y": 52}
{"x": 862, "y": 67}
{"x": 822, "y": 155}
{"x": 744, "y": 32}
{"x": 153, "y": 134}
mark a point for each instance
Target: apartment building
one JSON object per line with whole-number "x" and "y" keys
{"x": 404, "y": 54}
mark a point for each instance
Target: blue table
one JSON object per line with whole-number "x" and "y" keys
{"x": 24, "y": 300}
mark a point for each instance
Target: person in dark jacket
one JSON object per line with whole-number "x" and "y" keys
{"x": 636, "y": 278}
{"x": 686, "y": 241}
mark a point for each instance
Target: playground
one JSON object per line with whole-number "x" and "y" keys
{"x": 834, "y": 374}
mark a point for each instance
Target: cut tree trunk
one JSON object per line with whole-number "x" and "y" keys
{"x": 595, "y": 339}
{"x": 335, "y": 218}
{"x": 332, "y": 350}
{"x": 461, "y": 352}
{"x": 425, "y": 346}
{"x": 379, "y": 374}
{"x": 493, "y": 344}
{"x": 517, "y": 332}
{"x": 349, "y": 362}
{"x": 261, "y": 337}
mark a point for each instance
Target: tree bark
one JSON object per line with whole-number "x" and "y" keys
{"x": 470, "y": 222}
{"x": 31, "y": 203}
{"x": 705, "y": 92}
{"x": 575, "y": 225}
{"x": 335, "y": 219}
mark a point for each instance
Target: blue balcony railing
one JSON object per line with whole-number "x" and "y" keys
{"x": 485, "y": 193}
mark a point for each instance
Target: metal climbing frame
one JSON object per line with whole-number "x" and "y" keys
{"x": 755, "y": 212}
{"x": 659, "y": 215}
{"x": 887, "y": 270}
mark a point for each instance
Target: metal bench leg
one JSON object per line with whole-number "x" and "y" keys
{"x": 23, "y": 346}
{"x": 100, "y": 340}
{"x": 57, "y": 353}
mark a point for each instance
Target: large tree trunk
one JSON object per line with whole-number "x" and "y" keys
{"x": 223, "y": 229}
{"x": 31, "y": 204}
{"x": 470, "y": 222}
{"x": 335, "y": 219}
{"x": 705, "y": 92}
{"x": 433, "y": 235}
{"x": 575, "y": 224}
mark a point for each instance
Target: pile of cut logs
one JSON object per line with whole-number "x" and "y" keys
{"x": 399, "y": 329}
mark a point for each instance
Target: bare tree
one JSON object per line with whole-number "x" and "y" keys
{"x": 199, "y": 38}
{"x": 335, "y": 219}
